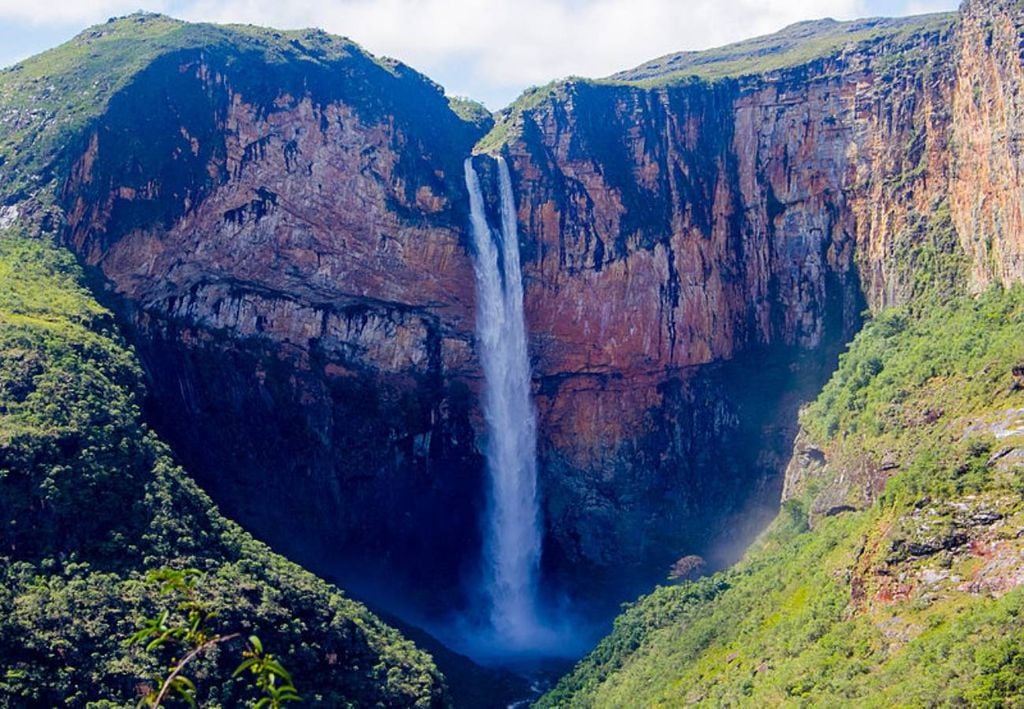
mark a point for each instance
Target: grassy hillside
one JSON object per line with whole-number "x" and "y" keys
{"x": 890, "y": 578}
{"x": 90, "y": 499}
{"x": 792, "y": 46}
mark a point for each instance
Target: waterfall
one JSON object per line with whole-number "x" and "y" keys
{"x": 512, "y": 532}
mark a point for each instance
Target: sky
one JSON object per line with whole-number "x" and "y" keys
{"x": 488, "y": 50}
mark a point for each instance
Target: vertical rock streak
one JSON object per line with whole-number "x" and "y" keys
{"x": 513, "y": 537}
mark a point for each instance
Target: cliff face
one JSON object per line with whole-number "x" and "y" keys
{"x": 280, "y": 221}
{"x": 672, "y": 223}
{"x": 987, "y": 107}
{"x": 283, "y": 237}
{"x": 672, "y": 227}
{"x": 892, "y": 571}
{"x": 982, "y": 178}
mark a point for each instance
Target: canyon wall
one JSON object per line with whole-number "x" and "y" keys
{"x": 285, "y": 243}
{"x": 285, "y": 240}
{"x": 696, "y": 257}
{"x": 981, "y": 178}
{"x": 988, "y": 108}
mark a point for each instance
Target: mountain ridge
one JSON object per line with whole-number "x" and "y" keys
{"x": 280, "y": 234}
{"x": 815, "y": 39}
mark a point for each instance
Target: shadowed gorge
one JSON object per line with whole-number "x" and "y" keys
{"x": 517, "y": 368}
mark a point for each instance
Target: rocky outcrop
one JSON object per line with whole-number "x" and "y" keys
{"x": 835, "y": 481}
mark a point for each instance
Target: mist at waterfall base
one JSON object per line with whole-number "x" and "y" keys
{"x": 510, "y": 620}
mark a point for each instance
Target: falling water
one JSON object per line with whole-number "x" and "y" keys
{"x": 513, "y": 537}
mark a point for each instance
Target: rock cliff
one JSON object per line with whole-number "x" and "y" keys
{"x": 743, "y": 201}
{"x": 279, "y": 220}
{"x": 985, "y": 186}
{"x": 686, "y": 232}
{"x": 982, "y": 178}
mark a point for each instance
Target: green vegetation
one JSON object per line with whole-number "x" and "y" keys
{"x": 906, "y": 600}
{"x": 509, "y": 120}
{"x": 47, "y": 99}
{"x": 269, "y": 676}
{"x": 186, "y": 629}
{"x": 955, "y": 358}
{"x": 471, "y": 111}
{"x": 90, "y": 500}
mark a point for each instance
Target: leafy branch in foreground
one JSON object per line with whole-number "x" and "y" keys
{"x": 270, "y": 677}
{"x": 187, "y": 626}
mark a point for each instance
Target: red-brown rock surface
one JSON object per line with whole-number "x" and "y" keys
{"x": 674, "y": 226}
{"x": 987, "y": 186}
{"x": 286, "y": 241}
{"x": 678, "y": 226}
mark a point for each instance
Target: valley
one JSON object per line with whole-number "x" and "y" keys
{"x": 494, "y": 375}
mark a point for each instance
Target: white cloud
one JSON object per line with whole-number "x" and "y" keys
{"x": 921, "y": 7}
{"x": 63, "y": 12}
{"x": 489, "y": 49}
{"x": 492, "y": 50}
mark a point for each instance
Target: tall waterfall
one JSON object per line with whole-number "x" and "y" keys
{"x": 512, "y": 534}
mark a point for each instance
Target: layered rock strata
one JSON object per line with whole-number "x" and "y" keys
{"x": 286, "y": 242}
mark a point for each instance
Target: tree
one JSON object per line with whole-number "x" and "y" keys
{"x": 686, "y": 568}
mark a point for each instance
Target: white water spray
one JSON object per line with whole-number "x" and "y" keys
{"x": 513, "y": 536}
